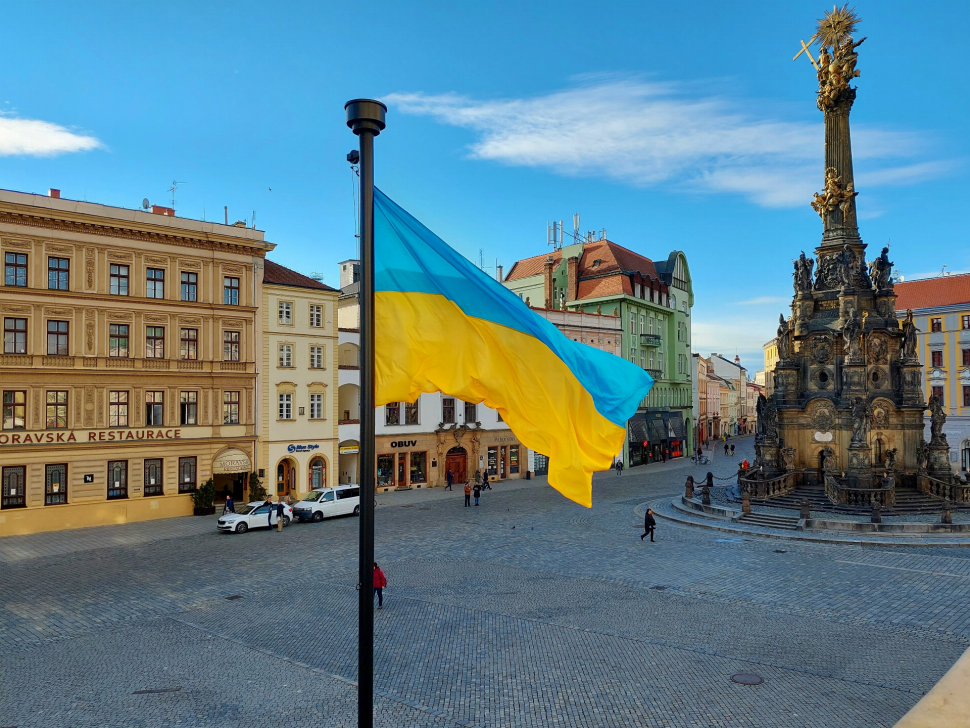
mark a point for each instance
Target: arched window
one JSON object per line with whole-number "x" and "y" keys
{"x": 318, "y": 473}
{"x": 880, "y": 455}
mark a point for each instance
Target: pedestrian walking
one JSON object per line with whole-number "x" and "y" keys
{"x": 618, "y": 466}
{"x": 663, "y": 455}
{"x": 700, "y": 453}
{"x": 485, "y": 485}
{"x": 450, "y": 478}
{"x": 280, "y": 510}
{"x": 468, "y": 494}
{"x": 478, "y": 492}
{"x": 725, "y": 448}
{"x": 732, "y": 449}
{"x": 649, "y": 524}
{"x": 380, "y": 581}
{"x": 269, "y": 512}
{"x": 228, "y": 508}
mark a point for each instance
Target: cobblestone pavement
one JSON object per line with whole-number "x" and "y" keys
{"x": 526, "y": 611}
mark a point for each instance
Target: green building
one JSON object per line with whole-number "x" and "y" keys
{"x": 654, "y": 301}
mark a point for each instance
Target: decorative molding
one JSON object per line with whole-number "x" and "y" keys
{"x": 151, "y": 318}
{"x": 233, "y": 269}
{"x": 186, "y": 264}
{"x": 157, "y": 260}
{"x": 38, "y": 412}
{"x": 121, "y": 256}
{"x": 18, "y": 244}
{"x": 89, "y": 256}
{"x": 233, "y": 323}
{"x": 59, "y": 312}
{"x": 61, "y": 249}
{"x": 119, "y": 316}
{"x": 16, "y": 309}
{"x": 190, "y": 320}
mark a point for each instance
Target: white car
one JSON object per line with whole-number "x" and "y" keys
{"x": 254, "y": 515}
{"x": 326, "y": 502}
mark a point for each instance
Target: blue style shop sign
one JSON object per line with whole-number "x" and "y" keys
{"x": 302, "y": 448}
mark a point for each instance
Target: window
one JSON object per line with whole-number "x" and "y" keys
{"x": 318, "y": 473}
{"x": 15, "y": 336}
{"x": 118, "y": 280}
{"x": 937, "y": 358}
{"x": 186, "y": 475}
{"x": 966, "y": 396}
{"x": 155, "y": 342}
{"x": 14, "y": 410}
{"x": 392, "y": 413}
{"x": 316, "y": 317}
{"x": 189, "y": 348}
{"x": 15, "y": 269}
{"x": 153, "y": 477}
{"x": 155, "y": 284}
{"x": 286, "y": 313}
{"x": 286, "y": 356}
{"x": 230, "y": 408}
{"x": 936, "y": 324}
{"x": 190, "y": 286}
{"x": 410, "y": 413}
{"x": 492, "y": 463}
{"x": 14, "y": 493}
{"x": 633, "y": 322}
{"x": 633, "y": 355}
{"x": 189, "y": 408}
{"x": 316, "y": 357}
{"x": 154, "y": 408}
{"x": 58, "y": 273}
{"x": 938, "y": 392}
{"x": 57, "y": 410}
{"x": 448, "y": 409}
{"x": 57, "y": 338}
{"x": 286, "y": 407}
{"x": 117, "y": 409}
{"x": 55, "y": 484}
{"x": 230, "y": 345}
{"x": 419, "y": 467}
{"x": 385, "y": 470}
{"x": 643, "y": 359}
{"x": 471, "y": 412}
{"x": 643, "y": 324}
{"x": 230, "y": 294}
{"x": 514, "y": 459}
{"x": 117, "y": 479}
{"x": 965, "y": 355}
{"x": 965, "y": 322}
{"x": 316, "y": 406}
{"x": 118, "y": 340}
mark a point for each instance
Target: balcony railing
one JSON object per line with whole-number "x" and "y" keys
{"x": 43, "y": 361}
{"x": 650, "y": 340}
{"x": 656, "y": 373}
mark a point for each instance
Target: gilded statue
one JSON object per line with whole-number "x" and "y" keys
{"x": 834, "y": 195}
{"x": 837, "y": 57}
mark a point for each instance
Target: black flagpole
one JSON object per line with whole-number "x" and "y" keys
{"x": 366, "y": 118}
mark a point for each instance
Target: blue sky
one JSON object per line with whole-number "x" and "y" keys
{"x": 670, "y": 125}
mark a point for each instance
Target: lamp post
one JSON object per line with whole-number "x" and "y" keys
{"x": 366, "y": 119}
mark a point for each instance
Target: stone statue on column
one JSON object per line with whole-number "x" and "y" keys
{"x": 937, "y": 420}
{"x": 784, "y": 342}
{"x": 880, "y": 271}
{"x": 852, "y": 336}
{"x": 861, "y": 419}
{"x": 907, "y": 343}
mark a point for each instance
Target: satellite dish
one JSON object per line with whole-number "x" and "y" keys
{"x": 144, "y": 204}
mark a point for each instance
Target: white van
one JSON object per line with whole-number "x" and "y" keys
{"x": 323, "y": 503}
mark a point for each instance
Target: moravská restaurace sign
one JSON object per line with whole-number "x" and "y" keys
{"x": 53, "y": 437}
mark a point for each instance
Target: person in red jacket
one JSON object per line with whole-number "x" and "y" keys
{"x": 380, "y": 581}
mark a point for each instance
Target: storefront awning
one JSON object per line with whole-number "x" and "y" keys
{"x": 638, "y": 430}
{"x": 231, "y": 461}
{"x": 674, "y": 425}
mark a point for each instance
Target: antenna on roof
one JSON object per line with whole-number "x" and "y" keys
{"x": 175, "y": 186}
{"x": 144, "y": 204}
{"x": 575, "y": 227}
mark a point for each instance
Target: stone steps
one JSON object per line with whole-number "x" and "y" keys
{"x": 769, "y": 521}
{"x": 908, "y": 502}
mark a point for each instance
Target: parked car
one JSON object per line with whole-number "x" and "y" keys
{"x": 326, "y": 502}
{"x": 253, "y": 515}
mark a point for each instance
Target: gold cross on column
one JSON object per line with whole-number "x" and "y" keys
{"x": 807, "y": 52}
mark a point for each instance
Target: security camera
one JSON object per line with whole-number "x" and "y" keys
{"x": 353, "y": 157}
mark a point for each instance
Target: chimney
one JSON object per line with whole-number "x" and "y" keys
{"x": 498, "y": 273}
{"x": 56, "y": 194}
{"x": 166, "y": 211}
{"x": 225, "y": 211}
{"x": 572, "y": 278}
{"x": 547, "y": 281}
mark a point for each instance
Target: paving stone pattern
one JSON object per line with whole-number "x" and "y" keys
{"x": 525, "y": 611}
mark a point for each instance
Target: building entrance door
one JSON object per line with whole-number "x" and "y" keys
{"x": 285, "y": 477}
{"x": 456, "y": 462}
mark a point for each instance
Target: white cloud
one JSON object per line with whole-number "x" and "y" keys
{"x": 650, "y": 134}
{"x": 36, "y": 138}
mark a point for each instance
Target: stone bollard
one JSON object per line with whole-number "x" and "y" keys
{"x": 806, "y": 512}
{"x": 689, "y": 489}
{"x": 706, "y": 495}
{"x": 947, "y": 517}
{"x": 876, "y": 512}
{"x": 745, "y": 502}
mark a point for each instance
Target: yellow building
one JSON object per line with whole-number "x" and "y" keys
{"x": 298, "y": 434}
{"x": 128, "y": 370}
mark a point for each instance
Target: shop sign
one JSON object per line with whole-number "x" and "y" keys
{"x": 231, "y": 461}
{"x": 349, "y": 449}
{"x": 404, "y": 443}
{"x": 49, "y": 437}
{"x": 301, "y": 448}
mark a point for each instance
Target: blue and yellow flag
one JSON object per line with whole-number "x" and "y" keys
{"x": 444, "y": 325}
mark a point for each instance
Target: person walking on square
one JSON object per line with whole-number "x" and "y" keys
{"x": 732, "y": 450}
{"x": 663, "y": 455}
{"x": 450, "y": 478}
{"x": 228, "y": 508}
{"x": 618, "y": 466}
{"x": 380, "y": 581}
{"x": 478, "y": 492}
{"x": 468, "y": 494}
{"x": 649, "y": 524}
{"x": 725, "y": 448}
{"x": 280, "y": 510}
{"x": 485, "y": 484}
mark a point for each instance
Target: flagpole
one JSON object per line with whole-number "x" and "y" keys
{"x": 366, "y": 118}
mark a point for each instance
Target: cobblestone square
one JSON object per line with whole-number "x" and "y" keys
{"x": 526, "y": 611}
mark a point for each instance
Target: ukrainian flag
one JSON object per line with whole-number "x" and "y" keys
{"x": 444, "y": 325}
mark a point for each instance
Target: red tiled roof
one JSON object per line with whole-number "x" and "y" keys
{"x": 613, "y": 258}
{"x": 278, "y": 275}
{"x": 532, "y": 266}
{"x": 931, "y": 292}
{"x": 614, "y": 285}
